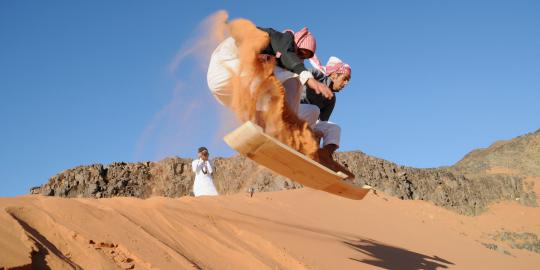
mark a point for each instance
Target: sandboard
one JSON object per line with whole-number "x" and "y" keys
{"x": 250, "y": 140}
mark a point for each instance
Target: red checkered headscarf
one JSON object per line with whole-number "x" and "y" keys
{"x": 304, "y": 39}
{"x": 334, "y": 65}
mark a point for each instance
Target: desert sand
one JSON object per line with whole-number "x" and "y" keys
{"x": 295, "y": 229}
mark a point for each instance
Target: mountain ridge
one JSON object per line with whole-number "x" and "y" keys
{"x": 468, "y": 187}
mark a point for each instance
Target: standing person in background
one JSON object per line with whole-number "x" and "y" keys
{"x": 203, "y": 184}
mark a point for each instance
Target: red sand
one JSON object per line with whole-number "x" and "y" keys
{"x": 300, "y": 229}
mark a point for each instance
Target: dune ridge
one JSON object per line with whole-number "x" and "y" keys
{"x": 295, "y": 229}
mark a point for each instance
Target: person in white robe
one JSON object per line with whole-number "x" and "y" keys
{"x": 203, "y": 184}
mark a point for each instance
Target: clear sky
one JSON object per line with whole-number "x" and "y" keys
{"x": 85, "y": 82}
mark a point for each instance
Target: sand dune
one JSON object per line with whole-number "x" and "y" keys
{"x": 297, "y": 229}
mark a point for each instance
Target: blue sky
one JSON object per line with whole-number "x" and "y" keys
{"x": 85, "y": 82}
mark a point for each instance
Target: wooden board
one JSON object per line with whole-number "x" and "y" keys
{"x": 250, "y": 140}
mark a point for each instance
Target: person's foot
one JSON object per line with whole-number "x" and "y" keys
{"x": 326, "y": 159}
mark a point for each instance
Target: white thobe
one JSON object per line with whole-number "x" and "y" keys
{"x": 203, "y": 184}
{"x": 331, "y": 131}
{"x": 225, "y": 59}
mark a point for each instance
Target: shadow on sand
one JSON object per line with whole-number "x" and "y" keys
{"x": 389, "y": 257}
{"x": 44, "y": 247}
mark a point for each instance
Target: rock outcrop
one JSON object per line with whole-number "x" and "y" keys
{"x": 172, "y": 177}
{"x": 445, "y": 187}
{"x": 482, "y": 177}
{"x": 519, "y": 156}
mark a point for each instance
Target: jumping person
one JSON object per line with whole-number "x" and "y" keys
{"x": 316, "y": 110}
{"x": 203, "y": 184}
{"x": 288, "y": 48}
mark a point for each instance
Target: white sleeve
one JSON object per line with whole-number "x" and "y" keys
{"x": 305, "y": 76}
{"x": 195, "y": 166}
{"x": 210, "y": 170}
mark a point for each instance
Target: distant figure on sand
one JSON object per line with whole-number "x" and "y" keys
{"x": 203, "y": 184}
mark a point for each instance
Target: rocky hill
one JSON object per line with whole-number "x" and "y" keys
{"x": 482, "y": 177}
{"x": 519, "y": 156}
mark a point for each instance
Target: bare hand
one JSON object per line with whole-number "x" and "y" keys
{"x": 320, "y": 88}
{"x": 203, "y": 156}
